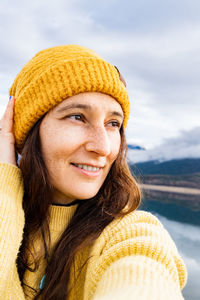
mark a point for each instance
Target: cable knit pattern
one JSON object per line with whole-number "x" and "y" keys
{"x": 133, "y": 258}
{"x": 57, "y": 73}
{"x": 11, "y": 229}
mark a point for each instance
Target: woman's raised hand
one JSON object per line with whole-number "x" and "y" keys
{"x": 7, "y": 140}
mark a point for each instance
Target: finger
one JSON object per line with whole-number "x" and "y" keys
{"x": 7, "y": 120}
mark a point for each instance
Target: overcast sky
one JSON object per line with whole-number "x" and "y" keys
{"x": 155, "y": 44}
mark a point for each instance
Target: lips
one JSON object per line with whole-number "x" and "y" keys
{"x": 88, "y": 165}
{"x": 87, "y": 168}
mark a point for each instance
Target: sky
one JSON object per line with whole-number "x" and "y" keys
{"x": 154, "y": 44}
{"x": 185, "y": 145}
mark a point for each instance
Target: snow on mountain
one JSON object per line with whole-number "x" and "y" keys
{"x": 186, "y": 145}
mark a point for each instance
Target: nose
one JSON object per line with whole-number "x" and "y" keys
{"x": 98, "y": 141}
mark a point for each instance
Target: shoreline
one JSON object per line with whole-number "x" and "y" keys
{"x": 170, "y": 189}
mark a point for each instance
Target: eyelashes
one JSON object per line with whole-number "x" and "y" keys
{"x": 117, "y": 124}
{"x": 81, "y": 117}
{"x": 78, "y": 117}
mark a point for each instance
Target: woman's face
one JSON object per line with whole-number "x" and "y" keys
{"x": 80, "y": 140}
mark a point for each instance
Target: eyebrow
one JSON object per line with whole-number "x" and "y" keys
{"x": 85, "y": 106}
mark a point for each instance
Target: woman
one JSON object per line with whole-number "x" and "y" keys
{"x": 70, "y": 228}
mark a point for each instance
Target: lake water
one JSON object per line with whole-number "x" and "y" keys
{"x": 183, "y": 224}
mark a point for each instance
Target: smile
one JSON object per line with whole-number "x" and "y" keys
{"x": 87, "y": 168}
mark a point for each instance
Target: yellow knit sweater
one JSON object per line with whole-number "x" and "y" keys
{"x": 133, "y": 258}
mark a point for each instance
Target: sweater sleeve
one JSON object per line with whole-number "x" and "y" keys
{"x": 11, "y": 230}
{"x": 139, "y": 260}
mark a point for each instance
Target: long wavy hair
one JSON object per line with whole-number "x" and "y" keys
{"x": 118, "y": 196}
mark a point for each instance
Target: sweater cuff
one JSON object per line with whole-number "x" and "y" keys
{"x": 137, "y": 277}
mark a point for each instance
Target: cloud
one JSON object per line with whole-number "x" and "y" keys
{"x": 157, "y": 51}
{"x": 186, "y": 145}
{"x": 3, "y": 99}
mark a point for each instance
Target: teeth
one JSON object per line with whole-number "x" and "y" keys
{"x": 87, "y": 168}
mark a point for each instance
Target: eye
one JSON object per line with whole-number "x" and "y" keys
{"x": 115, "y": 124}
{"x": 77, "y": 117}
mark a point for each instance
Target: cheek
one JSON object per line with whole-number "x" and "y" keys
{"x": 58, "y": 145}
{"x": 53, "y": 149}
{"x": 50, "y": 145}
{"x": 116, "y": 143}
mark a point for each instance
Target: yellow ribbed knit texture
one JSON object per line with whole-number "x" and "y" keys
{"x": 55, "y": 74}
{"x": 133, "y": 258}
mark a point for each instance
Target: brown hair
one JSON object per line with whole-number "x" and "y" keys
{"x": 118, "y": 196}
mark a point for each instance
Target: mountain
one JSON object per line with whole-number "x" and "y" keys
{"x": 177, "y": 172}
{"x": 170, "y": 167}
{"x": 135, "y": 147}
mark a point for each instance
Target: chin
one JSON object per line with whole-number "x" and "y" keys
{"x": 63, "y": 197}
{"x": 86, "y": 196}
{"x": 81, "y": 191}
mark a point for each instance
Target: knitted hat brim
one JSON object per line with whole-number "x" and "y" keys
{"x": 59, "y": 82}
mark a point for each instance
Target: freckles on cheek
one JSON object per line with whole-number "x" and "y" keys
{"x": 50, "y": 146}
{"x": 119, "y": 143}
{"x": 116, "y": 149}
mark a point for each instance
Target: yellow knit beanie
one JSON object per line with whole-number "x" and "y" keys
{"x": 55, "y": 74}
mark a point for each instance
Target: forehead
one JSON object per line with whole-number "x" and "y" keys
{"x": 92, "y": 101}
